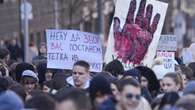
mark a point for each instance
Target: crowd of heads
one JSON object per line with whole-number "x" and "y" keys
{"x": 34, "y": 86}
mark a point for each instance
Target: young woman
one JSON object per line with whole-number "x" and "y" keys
{"x": 172, "y": 82}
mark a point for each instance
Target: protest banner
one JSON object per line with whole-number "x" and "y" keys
{"x": 168, "y": 60}
{"x": 135, "y": 31}
{"x": 167, "y": 43}
{"x": 188, "y": 54}
{"x": 65, "y": 47}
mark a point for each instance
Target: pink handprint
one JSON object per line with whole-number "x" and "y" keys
{"x": 132, "y": 41}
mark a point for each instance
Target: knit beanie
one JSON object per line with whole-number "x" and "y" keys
{"x": 30, "y": 74}
{"x": 135, "y": 73}
{"x": 99, "y": 85}
{"x": 115, "y": 67}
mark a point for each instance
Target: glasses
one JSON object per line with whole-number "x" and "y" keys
{"x": 131, "y": 96}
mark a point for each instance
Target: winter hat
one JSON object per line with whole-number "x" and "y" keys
{"x": 31, "y": 74}
{"x": 22, "y": 67}
{"x": 115, "y": 67}
{"x": 135, "y": 73}
{"x": 99, "y": 86}
{"x": 10, "y": 101}
{"x": 190, "y": 88}
{"x": 108, "y": 76}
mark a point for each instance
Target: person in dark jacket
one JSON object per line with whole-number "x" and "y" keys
{"x": 101, "y": 94}
{"x": 136, "y": 74}
{"x": 149, "y": 80}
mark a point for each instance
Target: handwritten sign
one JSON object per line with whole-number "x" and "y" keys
{"x": 168, "y": 60}
{"x": 167, "y": 43}
{"x": 65, "y": 47}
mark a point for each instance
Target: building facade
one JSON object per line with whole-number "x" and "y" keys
{"x": 86, "y": 15}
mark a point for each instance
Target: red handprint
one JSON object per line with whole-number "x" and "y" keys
{"x": 132, "y": 41}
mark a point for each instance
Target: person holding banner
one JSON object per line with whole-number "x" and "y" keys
{"x": 80, "y": 75}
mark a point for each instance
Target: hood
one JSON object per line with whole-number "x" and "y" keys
{"x": 70, "y": 81}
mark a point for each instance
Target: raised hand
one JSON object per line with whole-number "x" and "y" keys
{"x": 132, "y": 41}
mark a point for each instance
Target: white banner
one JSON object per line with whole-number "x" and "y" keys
{"x": 167, "y": 43}
{"x": 168, "y": 60}
{"x": 135, "y": 31}
{"x": 65, "y": 47}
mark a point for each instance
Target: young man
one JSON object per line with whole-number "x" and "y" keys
{"x": 80, "y": 75}
{"x": 130, "y": 97}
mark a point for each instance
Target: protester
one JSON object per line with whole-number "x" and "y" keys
{"x": 149, "y": 80}
{"x": 19, "y": 90}
{"x": 130, "y": 96}
{"x": 59, "y": 81}
{"x": 49, "y": 75}
{"x": 72, "y": 99}
{"x": 41, "y": 70}
{"x": 189, "y": 88}
{"x": 12, "y": 71}
{"x": 112, "y": 81}
{"x": 100, "y": 93}
{"x": 136, "y": 74}
{"x": 115, "y": 67}
{"x": 42, "y": 55}
{"x": 4, "y": 85}
{"x": 172, "y": 82}
{"x": 4, "y": 72}
{"x": 4, "y": 56}
{"x": 15, "y": 49}
{"x": 186, "y": 102}
{"x": 114, "y": 88}
{"x": 187, "y": 74}
{"x": 132, "y": 73}
{"x": 80, "y": 75}
{"x": 30, "y": 81}
{"x": 8, "y": 99}
{"x": 20, "y": 68}
{"x": 168, "y": 100}
{"x": 40, "y": 101}
{"x": 33, "y": 51}
{"x": 48, "y": 87}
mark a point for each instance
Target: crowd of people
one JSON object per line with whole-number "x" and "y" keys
{"x": 34, "y": 86}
